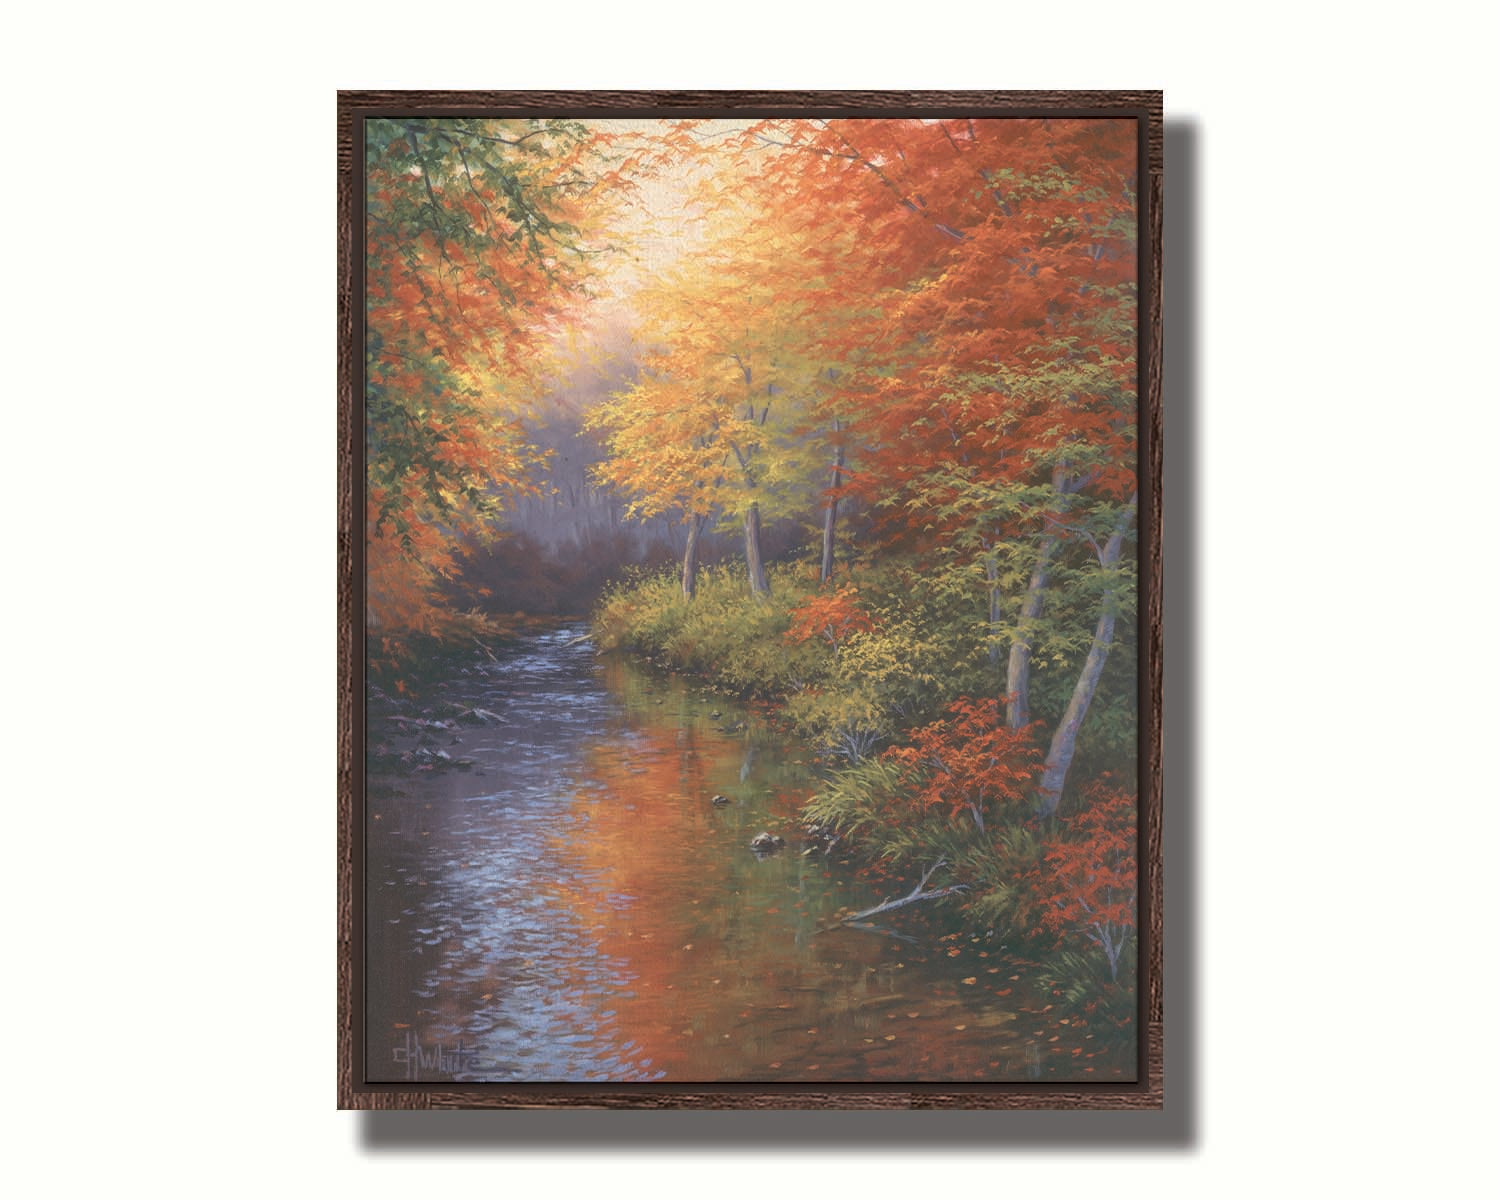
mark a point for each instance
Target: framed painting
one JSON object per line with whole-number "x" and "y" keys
{"x": 749, "y": 623}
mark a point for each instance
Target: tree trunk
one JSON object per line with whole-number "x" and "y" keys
{"x": 1018, "y": 671}
{"x": 831, "y": 512}
{"x": 992, "y": 573}
{"x": 690, "y": 558}
{"x": 1065, "y": 740}
{"x": 756, "y": 568}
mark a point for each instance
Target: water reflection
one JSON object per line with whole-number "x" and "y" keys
{"x": 577, "y": 908}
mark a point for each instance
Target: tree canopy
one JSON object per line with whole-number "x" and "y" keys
{"x": 909, "y": 341}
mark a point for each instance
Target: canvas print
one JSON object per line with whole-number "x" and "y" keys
{"x": 750, "y": 599}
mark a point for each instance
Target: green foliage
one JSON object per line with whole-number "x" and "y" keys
{"x": 994, "y": 869}
{"x": 913, "y": 650}
{"x": 1082, "y": 982}
{"x": 870, "y": 805}
{"x": 722, "y": 632}
{"x": 921, "y": 641}
{"x": 856, "y": 805}
{"x": 877, "y": 680}
{"x": 464, "y": 236}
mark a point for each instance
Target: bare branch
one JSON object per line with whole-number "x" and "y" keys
{"x": 914, "y": 896}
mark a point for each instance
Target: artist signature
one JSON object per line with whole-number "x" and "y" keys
{"x": 443, "y": 1059}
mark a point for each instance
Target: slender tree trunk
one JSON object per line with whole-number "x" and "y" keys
{"x": 690, "y": 558}
{"x": 1018, "y": 670}
{"x": 1065, "y": 740}
{"x": 831, "y": 511}
{"x": 757, "y": 569}
{"x": 992, "y": 573}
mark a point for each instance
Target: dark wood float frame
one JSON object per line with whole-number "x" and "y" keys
{"x": 354, "y": 107}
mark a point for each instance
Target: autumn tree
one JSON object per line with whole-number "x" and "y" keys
{"x": 473, "y": 245}
{"x": 997, "y": 274}
{"x": 714, "y": 422}
{"x": 1087, "y": 882}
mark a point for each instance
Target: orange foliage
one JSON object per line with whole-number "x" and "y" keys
{"x": 714, "y": 421}
{"x": 1088, "y": 880}
{"x": 971, "y": 762}
{"x": 468, "y": 271}
{"x": 987, "y": 306}
{"x": 951, "y": 303}
{"x": 832, "y": 615}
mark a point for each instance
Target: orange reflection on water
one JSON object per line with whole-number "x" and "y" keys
{"x": 734, "y": 965}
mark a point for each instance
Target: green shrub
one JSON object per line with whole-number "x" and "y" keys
{"x": 723, "y": 632}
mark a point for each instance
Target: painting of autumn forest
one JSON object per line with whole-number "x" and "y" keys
{"x": 752, "y": 674}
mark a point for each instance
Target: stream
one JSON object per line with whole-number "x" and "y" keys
{"x": 574, "y": 906}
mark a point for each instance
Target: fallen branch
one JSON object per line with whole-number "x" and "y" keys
{"x": 911, "y": 897}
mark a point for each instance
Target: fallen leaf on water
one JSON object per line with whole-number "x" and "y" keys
{"x": 689, "y": 946}
{"x": 914, "y": 1015}
{"x": 773, "y": 1066}
{"x": 970, "y": 979}
{"x": 1004, "y": 991}
{"x": 960, "y": 1027}
{"x": 890, "y": 1037}
{"x": 1053, "y": 1038}
{"x": 399, "y": 1025}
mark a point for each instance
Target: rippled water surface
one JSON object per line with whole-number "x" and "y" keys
{"x": 575, "y": 908}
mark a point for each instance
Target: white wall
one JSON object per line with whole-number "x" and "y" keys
{"x": 169, "y": 390}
